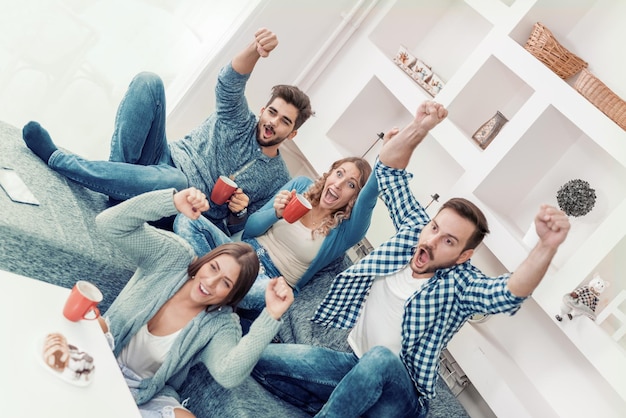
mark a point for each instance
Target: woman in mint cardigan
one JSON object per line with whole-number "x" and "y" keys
{"x": 342, "y": 203}
{"x": 177, "y": 309}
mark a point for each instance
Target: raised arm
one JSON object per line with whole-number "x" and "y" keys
{"x": 126, "y": 226}
{"x": 191, "y": 202}
{"x": 552, "y": 226}
{"x": 264, "y": 42}
{"x": 399, "y": 146}
{"x": 230, "y": 358}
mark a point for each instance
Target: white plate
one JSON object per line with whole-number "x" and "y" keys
{"x": 66, "y": 375}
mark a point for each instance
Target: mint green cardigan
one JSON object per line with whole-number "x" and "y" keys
{"x": 212, "y": 338}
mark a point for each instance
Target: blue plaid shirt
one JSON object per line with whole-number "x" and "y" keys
{"x": 433, "y": 314}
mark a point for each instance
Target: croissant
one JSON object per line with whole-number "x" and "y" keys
{"x": 56, "y": 352}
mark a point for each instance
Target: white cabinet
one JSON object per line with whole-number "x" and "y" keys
{"x": 553, "y": 135}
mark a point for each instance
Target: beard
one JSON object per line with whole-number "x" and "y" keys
{"x": 271, "y": 143}
{"x": 267, "y": 143}
{"x": 431, "y": 266}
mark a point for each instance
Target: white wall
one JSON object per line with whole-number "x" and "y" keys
{"x": 67, "y": 63}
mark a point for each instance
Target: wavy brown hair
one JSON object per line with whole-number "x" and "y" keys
{"x": 248, "y": 262}
{"x": 314, "y": 193}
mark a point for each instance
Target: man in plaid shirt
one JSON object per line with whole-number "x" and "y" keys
{"x": 405, "y": 300}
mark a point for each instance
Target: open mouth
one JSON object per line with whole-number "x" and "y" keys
{"x": 423, "y": 256}
{"x": 331, "y": 196}
{"x": 268, "y": 131}
{"x": 203, "y": 290}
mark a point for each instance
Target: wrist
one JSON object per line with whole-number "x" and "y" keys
{"x": 243, "y": 212}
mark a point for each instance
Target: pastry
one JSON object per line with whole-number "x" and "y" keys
{"x": 69, "y": 360}
{"x": 56, "y": 351}
{"x": 80, "y": 363}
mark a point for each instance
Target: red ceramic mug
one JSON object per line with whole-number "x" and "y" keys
{"x": 223, "y": 190}
{"x": 296, "y": 208}
{"x": 82, "y": 302}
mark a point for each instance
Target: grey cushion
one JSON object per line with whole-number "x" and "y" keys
{"x": 56, "y": 241}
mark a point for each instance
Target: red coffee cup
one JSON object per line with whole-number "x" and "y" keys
{"x": 83, "y": 300}
{"x": 223, "y": 190}
{"x": 296, "y": 208}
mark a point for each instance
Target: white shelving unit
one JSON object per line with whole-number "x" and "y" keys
{"x": 528, "y": 365}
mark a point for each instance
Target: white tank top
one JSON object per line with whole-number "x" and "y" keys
{"x": 145, "y": 352}
{"x": 291, "y": 248}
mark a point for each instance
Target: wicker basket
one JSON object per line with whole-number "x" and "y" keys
{"x": 544, "y": 46}
{"x": 601, "y": 97}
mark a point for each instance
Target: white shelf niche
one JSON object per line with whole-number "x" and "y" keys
{"x": 550, "y": 153}
{"x": 378, "y": 110}
{"x": 493, "y": 88}
{"x": 524, "y": 360}
{"x": 423, "y": 27}
{"x": 611, "y": 269}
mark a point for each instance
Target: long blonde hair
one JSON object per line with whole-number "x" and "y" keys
{"x": 314, "y": 193}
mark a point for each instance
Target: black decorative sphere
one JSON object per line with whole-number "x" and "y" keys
{"x": 576, "y": 198}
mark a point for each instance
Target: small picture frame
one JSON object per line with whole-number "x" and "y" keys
{"x": 404, "y": 58}
{"x": 418, "y": 70}
{"x": 421, "y": 71}
{"x": 436, "y": 84}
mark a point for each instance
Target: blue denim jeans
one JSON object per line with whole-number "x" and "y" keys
{"x": 203, "y": 236}
{"x": 140, "y": 159}
{"x": 157, "y": 407}
{"x": 331, "y": 383}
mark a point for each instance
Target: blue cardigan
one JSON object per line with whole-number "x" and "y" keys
{"x": 211, "y": 338}
{"x": 341, "y": 238}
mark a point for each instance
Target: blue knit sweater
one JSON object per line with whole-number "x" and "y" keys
{"x": 223, "y": 144}
{"x": 162, "y": 257}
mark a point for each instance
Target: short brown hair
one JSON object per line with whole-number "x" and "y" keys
{"x": 472, "y": 213}
{"x": 248, "y": 261}
{"x": 296, "y": 97}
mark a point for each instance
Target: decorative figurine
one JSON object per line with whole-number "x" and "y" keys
{"x": 583, "y": 300}
{"x": 488, "y": 131}
{"x": 576, "y": 198}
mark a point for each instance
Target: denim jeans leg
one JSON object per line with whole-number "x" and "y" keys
{"x": 255, "y": 298}
{"x": 201, "y": 233}
{"x": 302, "y": 375}
{"x": 120, "y": 181}
{"x": 140, "y": 159}
{"x": 139, "y": 135}
{"x": 377, "y": 386}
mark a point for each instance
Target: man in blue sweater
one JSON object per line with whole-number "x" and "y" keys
{"x": 232, "y": 141}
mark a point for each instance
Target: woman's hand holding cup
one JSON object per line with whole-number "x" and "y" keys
{"x": 280, "y": 201}
{"x": 296, "y": 208}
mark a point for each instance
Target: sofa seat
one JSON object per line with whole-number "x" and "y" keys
{"x": 56, "y": 241}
